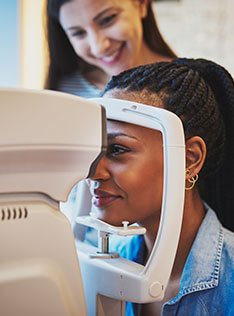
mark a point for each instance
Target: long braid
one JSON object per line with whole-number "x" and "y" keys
{"x": 201, "y": 93}
{"x": 218, "y": 189}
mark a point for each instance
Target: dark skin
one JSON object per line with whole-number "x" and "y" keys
{"x": 192, "y": 218}
{"x": 193, "y": 207}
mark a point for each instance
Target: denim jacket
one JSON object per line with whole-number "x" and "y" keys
{"x": 207, "y": 282}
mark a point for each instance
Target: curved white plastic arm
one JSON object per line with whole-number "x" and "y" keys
{"x": 156, "y": 273}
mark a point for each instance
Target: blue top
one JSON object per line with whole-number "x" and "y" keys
{"x": 207, "y": 282}
{"x": 76, "y": 84}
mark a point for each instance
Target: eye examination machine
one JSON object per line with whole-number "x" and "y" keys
{"x": 46, "y": 145}
{"x": 48, "y": 142}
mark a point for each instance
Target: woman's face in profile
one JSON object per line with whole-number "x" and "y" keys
{"x": 128, "y": 181}
{"x": 106, "y": 33}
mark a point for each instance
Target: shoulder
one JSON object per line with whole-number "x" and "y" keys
{"x": 209, "y": 272}
{"x": 227, "y": 257}
{"x": 221, "y": 297}
{"x": 228, "y": 244}
{"x": 227, "y": 261}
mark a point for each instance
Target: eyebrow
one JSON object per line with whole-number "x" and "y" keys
{"x": 97, "y": 17}
{"x": 70, "y": 28}
{"x": 114, "y": 135}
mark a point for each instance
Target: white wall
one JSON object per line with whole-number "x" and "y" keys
{"x": 199, "y": 28}
{"x": 32, "y": 40}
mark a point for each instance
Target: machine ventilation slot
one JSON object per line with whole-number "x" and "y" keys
{"x": 7, "y": 214}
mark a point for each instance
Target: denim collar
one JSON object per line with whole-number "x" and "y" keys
{"x": 202, "y": 266}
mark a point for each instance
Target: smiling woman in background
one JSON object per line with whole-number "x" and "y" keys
{"x": 91, "y": 40}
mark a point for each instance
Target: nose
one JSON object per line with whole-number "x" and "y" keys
{"x": 99, "y": 43}
{"x": 102, "y": 173}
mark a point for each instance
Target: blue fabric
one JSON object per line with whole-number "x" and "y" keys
{"x": 76, "y": 84}
{"x": 207, "y": 282}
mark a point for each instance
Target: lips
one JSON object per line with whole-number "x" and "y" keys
{"x": 103, "y": 198}
{"x": 110, "y": 58}
{"x": 113, "y": 58}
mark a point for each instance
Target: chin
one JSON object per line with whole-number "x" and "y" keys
{"x": 110, "y": 220}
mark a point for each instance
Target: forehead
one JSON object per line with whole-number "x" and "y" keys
{"x": 139, "y": 133}
{"x": 131, "y": 129}
{"x": 142, "y": 96}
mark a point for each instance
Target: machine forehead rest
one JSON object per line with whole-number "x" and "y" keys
{"x": 48, "y": 140}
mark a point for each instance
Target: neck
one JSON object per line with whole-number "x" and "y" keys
{"x": 95, "y": 76}
{"x": 149, "y": 56}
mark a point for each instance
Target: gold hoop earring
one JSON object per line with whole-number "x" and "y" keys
{"x": 193, "y": 180}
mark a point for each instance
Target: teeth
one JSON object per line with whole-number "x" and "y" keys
{"x": 110, "y": 58}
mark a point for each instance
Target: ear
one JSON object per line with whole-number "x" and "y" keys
{"x": 195, "y": 155}
{"x": 144, "y": 8}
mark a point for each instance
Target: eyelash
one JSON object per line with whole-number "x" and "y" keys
{"x": 107, "y": 20}
{"x": 78, "y": 33}
{"x": 116, "y": 150}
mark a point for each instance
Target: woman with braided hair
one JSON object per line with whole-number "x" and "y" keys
{"x": 128, "y": 181}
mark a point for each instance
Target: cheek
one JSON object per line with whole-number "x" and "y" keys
{"x": 138, "y": 181}
{"x": 79, "y": 47}
{"x": 127, "y": 30}
{"x": 146, "y": 187}
{"x": 122, "y": 176}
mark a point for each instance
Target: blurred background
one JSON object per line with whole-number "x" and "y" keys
{"x": 193, "y": 28}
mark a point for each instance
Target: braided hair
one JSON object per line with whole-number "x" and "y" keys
{"x": 201, "y": 93}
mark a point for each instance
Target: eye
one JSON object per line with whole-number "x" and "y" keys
{"x": 107, "y": 20}
{"x": 116, "y": 149}
{"x": 78, "y": 33}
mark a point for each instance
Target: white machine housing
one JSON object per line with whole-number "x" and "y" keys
{"x": 49, "y": 146}
{"x": 48, "y": 141}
